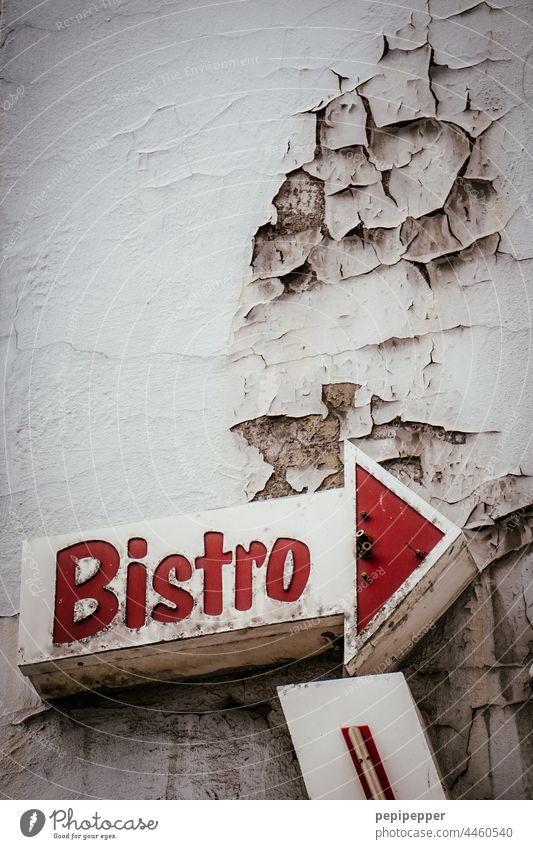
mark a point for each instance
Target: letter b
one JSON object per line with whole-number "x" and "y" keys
{"x": 69, "y": 591}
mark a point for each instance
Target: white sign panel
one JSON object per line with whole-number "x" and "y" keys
{"x": 317, "y": 713}
{"x": 152, "y": 590}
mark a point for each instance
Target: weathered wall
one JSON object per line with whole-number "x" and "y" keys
{"x": 346, "y": 196}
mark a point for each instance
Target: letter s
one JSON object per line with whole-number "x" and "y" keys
{"x": 182, "y": 600}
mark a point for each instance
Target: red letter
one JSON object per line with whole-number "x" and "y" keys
{"x": 243, "y": 572}
{"x": 181, "y": 598}
{"x": 137, "y": 548}
{"x": 301, "y": 567}
{"x": 136, "y": 596}
{"x": 212, "y": 562}
{"x": 68, "y": 591}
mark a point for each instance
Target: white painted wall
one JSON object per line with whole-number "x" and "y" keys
{"x": 137, "y": 169}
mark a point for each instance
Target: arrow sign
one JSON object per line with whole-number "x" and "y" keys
{"x": 262, "y": 583}
{"x": 419, "y": 565}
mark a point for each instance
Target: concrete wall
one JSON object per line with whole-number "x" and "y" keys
{"x": 199, "y": 306}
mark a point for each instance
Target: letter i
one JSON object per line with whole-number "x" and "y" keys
{"x": 136, "y": 585}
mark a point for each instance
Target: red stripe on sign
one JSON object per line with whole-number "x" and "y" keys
{"x": 400, "y": 541}
{"x": 373, "y": 775}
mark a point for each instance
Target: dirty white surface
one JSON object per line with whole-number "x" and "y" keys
{"x": 144, "y": 147}
{"x": 316, "y": 712}
{"x": 322, "y": 522}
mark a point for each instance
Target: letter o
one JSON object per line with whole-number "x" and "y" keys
{"x": 301, "y": 568}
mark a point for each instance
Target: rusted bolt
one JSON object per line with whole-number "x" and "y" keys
{"x": 417, "y": 551}
{"x": 363, "y": 544}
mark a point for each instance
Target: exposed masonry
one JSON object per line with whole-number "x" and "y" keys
{"x": 386, "y": 250}
{"x": 302, "y": 449}
{"x": 469, "y": 677}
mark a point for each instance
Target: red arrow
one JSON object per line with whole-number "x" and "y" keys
{"x": 400, "y": 539}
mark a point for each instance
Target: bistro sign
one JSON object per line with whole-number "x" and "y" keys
{"x": 257, "y": 584}
{"x": 287, "y": 568}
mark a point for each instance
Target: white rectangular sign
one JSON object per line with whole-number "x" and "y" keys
{"x": 317, "y": 712}
{"x": 140, "y": 596}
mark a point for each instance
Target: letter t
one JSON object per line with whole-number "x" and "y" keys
{"x": 212, "y": 562}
